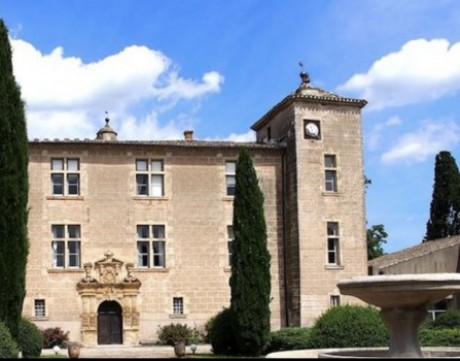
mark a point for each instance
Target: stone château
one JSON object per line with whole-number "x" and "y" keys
{"x": 126, "y": 236}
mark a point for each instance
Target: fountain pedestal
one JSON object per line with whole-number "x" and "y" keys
{"x": 403, "y": 301}
{"x": 403, "y": 323}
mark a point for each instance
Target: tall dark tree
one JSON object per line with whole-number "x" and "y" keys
{"x": 376, "y": 237}
{"x": 250, "y": 279}
{"x": 14, "y": 189}
{"x": 445, "y": 205}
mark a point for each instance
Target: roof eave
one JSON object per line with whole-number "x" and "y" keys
{"x": 309, "y": 99}
{"x": 164, "y": 143}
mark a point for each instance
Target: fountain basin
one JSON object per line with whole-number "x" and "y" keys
{"x": 404, "y": 290}
{"x": 361, "y": 352}
{"x": 403, "y": 301}
{"x": 381, "y": 352}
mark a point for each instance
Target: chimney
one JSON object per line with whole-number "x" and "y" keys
{"x": 188, "y": 134}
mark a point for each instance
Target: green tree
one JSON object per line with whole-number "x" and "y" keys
{"x": 445, "y": 204}
{"x": 14, "y": 188}
{"x": 376, "y": 236}
{"x": 250, "y": 280}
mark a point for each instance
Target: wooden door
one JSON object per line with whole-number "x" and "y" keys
{"x": 109, "y": 323}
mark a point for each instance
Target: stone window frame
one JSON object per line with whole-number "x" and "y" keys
{"x": 335, "y": 300}
{"x": 230, "y": 239}
{"x": 333, "y": 244}
{"x": 178, "y": 306}
{"x": 155, "y": 239}
{"x": 230, "y": 177}
{"x": 153, "y": 169}
{"x": 330, "y": 173}
{"x": 39, "y": 307}
{"x": 67, "y": 238}
{"x": 65, "y": 175}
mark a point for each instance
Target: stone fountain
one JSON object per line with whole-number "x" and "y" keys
{"x": 403, "y": 301}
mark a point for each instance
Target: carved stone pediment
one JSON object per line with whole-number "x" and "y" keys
{"x": 109, "y": 274}
{"x": 108, "y": 268}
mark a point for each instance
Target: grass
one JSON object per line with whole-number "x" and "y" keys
{"x": 53, "y": 356}
{"x": 211, "y": 355}
{"x": 196, "y": 355}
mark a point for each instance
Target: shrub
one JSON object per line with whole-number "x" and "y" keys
{"x": 447, "y": 337}
{"x": 220, "y": 333}
{"x": 448, "y": 319}
{"x": 8, "y": 347}
{"x": 290, "y": 338}
{"x": 174, "y": 332}
{"x": 53, "y": 336}
{"x": 349, "y": 326}
{"x": 208, "y": 325}
{"x": 197, "y": 336}
{"x": 30, "y": 339}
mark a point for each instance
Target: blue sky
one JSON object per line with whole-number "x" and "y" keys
{"x": 216, "y": 66}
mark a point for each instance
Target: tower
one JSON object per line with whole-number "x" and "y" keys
{"x": 324, "y": 224}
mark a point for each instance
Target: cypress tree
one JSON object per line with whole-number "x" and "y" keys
{"x": 250, "y": 280}
{"x": 445, "y": 204}
{"x": 14, "y": 188}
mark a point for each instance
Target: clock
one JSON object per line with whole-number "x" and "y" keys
{"x": 312, "y": 129}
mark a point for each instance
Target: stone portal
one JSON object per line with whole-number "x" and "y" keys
{"x": 110, "y": 297}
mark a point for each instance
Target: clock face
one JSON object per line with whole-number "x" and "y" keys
{"x": 312, "y": 129}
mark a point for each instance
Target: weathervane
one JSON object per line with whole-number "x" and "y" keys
{"x": 107, "y": 119}
{"x": 304, "y": 75}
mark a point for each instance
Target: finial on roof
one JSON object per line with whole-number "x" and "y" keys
{"x": 107, "y": 119}
{"x": 304, "y": 75}
{"x": 106, "y": 133}
{"x": 108, "y": 254}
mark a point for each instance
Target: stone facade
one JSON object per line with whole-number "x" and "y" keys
{"x": 296, "y": 168}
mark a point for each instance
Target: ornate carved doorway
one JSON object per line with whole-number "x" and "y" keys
{"x": 109, "y": 313}
{"x": 109, "y": 323}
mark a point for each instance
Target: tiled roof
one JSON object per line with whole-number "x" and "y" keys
{"x": 414, "y": 252}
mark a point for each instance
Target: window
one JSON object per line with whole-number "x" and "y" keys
{"x": 66, "y": 246}
{"x": 65, "y": 176}
{"x": 230, "y": 179}
{"x": 149, "y": 178}
{"x": 39, "y": 307}
{"x": 178, "y": 305}
{"x": 333, "y": 243}
{"x": 150, "y": 246}
{"x": 437, "y": 309}
{"x": 230, "y": 239}
{"x": 330, "y": 166}
{"x": 335, "y": 300}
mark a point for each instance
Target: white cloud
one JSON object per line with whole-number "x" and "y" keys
{"x": 373, "y": 138}
{"x": 60, "y": 124}
{"x": 249, "y": 136}
{"x": 421, "y": 70}
{"x": 427, "y": 140}
{"x": 149, "y": 128}
{"x": 188, "y": 89}
{"x": 63, "y": 94}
